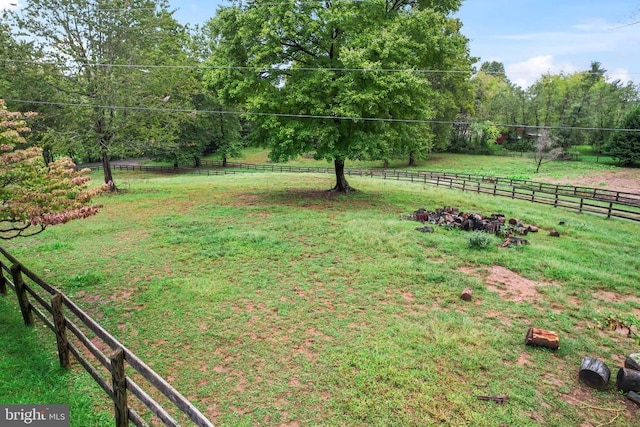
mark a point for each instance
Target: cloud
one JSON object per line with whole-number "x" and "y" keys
{"x": 621, "y": 74}
{"x": 9, "y": 4}
{"x": 526, "y": 72}
{"x": 593, "y": 24}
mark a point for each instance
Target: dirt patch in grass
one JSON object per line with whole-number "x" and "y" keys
{"x": 615, "y": 297}
{"x": 627, "y": 180}
{"x": 524, "y": 359}
{"x": 509, "y": 285}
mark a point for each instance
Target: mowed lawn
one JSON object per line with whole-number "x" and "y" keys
{"x": 268, "y": 301}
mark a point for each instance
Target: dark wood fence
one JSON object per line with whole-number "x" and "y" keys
{"x": 618, "y": 204}
{"x": 119, "y": 372}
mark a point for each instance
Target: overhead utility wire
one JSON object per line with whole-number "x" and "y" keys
{"x": 144, "y": 68}
{"x": 305, "y": 116}
{"x": 231, "y": 67}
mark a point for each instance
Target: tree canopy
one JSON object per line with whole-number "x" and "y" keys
{"x": 625, "y": 143}
{"x": 343, "y": 80}
{"x": 114, "y": 83}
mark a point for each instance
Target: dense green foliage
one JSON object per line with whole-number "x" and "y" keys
{"x": 341, "y": 81}
{"x": 578, "y": 108}
{"x": 338, "y": 79}
{"x": 103, "y": 75}
{"x": 625, "y": 144}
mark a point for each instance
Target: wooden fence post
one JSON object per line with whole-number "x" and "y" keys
{"x": 60, "y": 324}
{"x": 23, "y": 299}
{"x": 609, "y": 210}
{"x": 119, "y": 383}
{"x": 3, "y": 283}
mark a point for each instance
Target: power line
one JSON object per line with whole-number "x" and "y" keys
{"x": 144, "y": 68}
{"x": 308, "y": 116}
{"x": 232, "y": 67}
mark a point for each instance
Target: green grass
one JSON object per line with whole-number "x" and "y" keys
{"x": 513, "y": 167}
{"x": 266, "y": 300}
{"x": 30, "y": 373}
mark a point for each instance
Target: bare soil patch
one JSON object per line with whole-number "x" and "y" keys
{"x": 616, "y": 297}
{"x": 624, "y": 180}
{"x": 509, "y": 285}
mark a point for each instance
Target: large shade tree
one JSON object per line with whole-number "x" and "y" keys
{"x": 117, "y": 85}
{"x": 342, "y": 79}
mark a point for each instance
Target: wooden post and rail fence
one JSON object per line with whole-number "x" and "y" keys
{"x": 612, "y": 204}
{"x": 124, "y": 377}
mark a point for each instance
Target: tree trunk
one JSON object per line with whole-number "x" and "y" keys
{"x": 538, "y": 163}
{"x": 412, "y": 158}
{"x": 224, "y": 160}
{"x": 594, "y": 373}
{"x": 385, "y": 164}
{"x": 106, "y": 166}
{"x": 197, "y": 162}
{"x": 342, "y": 186}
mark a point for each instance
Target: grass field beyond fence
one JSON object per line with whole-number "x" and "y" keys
{"x": 273, "y": 302}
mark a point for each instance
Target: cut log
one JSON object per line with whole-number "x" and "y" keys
{"x": 628, "y": 380}
{"x": 497, "y": 399}
{"x": 514, "y": 241}
{"x": 634, "y": 397}
{"x": 633, "y": 361}
{"x": 542, "y": 338}
{"x": 466, "y": 294}
{"x": 594, "y": 373}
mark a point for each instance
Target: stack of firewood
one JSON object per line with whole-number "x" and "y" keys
{"x": 495, "y": 223}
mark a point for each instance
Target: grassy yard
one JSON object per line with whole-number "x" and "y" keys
{"x": 514, "y": 167}
{"x": 268, "y": 301}
{"x": 30, "y": 373}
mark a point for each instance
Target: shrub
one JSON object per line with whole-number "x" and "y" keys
{"x": 479, "y": 240}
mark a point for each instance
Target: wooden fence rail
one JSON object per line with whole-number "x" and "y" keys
{"x": 102, "y": 356}
{"x": 612, "y": 204}
{"x": 620, "y": 197}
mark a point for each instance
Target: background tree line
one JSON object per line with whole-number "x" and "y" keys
{"x": 375, "y": 80}
{"x": 580, "y": 108}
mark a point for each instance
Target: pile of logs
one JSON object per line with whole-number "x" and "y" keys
{"x": 628, "y": 379}
{"x": 494, "y": 224}
{"x": 594, "y": 373}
